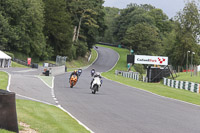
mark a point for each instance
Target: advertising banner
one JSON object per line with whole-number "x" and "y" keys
{"x": 154, "y": 60}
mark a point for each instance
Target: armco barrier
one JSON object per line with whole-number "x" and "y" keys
{"x": 185, "y": 85}
{"x": 133, "y": 75}
{"x": 57, "y": 70}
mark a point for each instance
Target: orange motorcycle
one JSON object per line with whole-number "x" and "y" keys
{"x": 73, "y": 81}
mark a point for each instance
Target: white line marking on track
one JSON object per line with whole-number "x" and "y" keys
{"x": 45, "y": 82}
{"x": 8, "y": 89}
{"x": 59, "y": 106}
{"x": 154, "y": 93}
{"x": 34, "y": 99}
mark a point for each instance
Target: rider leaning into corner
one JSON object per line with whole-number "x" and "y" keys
{"x": 97, "y": 74}
{"x": 74, "y": 73}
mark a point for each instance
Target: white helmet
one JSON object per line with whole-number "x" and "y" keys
{"x": 97, "y": 74}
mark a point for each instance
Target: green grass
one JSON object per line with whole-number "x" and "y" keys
{"x": 75, "y": 64}
{"x": 5, "y": 131}
{"x": 122, "y": 64}
{"x": 14, "y": 64}
{"x": 3, "y": 80}
{"x": 3, "y": 86}
{"x": 81, "y": 62}
{"x": 47, "y": 80}
{"x": 183, "y": 76}
{"x": 46, "y": 118}
{"x": 157, "y": 88}
{"x": 41, "y": 117}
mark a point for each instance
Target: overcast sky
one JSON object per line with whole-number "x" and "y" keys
{"x": 169, "y": 7}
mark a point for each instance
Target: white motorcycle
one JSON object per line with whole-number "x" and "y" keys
{"x": 96, "y": 84}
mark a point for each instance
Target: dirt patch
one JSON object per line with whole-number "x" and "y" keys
{"x": 26, "y": 128}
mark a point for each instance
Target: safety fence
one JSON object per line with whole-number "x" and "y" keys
{"x": 133, "y": 75}
{"x": 22, "y": 62}
{"x": 186, "y": 85}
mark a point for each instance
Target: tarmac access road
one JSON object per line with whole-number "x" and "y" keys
{"x": 117, "y": 108}
{"x": 25, "y": 83}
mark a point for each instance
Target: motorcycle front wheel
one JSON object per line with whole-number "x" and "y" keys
{"x": 72, "y": 84}
{"x": 94, "y": 89}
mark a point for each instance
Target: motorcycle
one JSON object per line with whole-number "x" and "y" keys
{"x": 73, "y": 81}
{"x": 96, "y": 84}
{"x": 79, "y": 72}
{"x": 92, "y": 72}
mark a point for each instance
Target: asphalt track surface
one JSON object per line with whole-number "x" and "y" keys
{"x": 116, "y": 108}
{"x": 25, "y": 83}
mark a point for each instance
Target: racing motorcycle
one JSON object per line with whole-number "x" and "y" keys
{"x": 96, "y": 84}
{"x": 92, "y": 72}
{"x": 73, "y": 81}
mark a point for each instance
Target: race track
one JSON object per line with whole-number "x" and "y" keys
{"x": 118, "y": 108}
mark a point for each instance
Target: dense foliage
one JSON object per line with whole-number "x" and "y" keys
{"x": 42, "y": 29}
{"x": 149, "y": 31}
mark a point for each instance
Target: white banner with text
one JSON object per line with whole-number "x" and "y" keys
{"x": 154, "y": 60}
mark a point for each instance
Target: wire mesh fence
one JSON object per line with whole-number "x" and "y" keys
{"x": 60, "y": 60}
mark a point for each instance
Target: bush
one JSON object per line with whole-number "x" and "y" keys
{"x": 10, "y": 54}
{"x": 72, "y": 53}
{"x": 139, "y": 68}
{"x": 81, "y": 49}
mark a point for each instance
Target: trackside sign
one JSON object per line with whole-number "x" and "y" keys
{"x": 154, "y": 60}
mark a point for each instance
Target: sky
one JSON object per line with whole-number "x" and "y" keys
{"x": 169, "y": 7}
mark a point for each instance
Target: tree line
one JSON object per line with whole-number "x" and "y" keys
{"x": 149, "y": 31}
{"x": 43, "y": 29}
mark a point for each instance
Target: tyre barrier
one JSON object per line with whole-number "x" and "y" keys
{"x": 185, "y": 85}
{"x": 8, "y": 115}
{"x": 133, "y": 75}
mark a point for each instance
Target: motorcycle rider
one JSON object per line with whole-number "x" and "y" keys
{"x": 79, "y": 72}
{"x": 74, "y": 73}
{"x": 92, "y": 71}
{"x": 97, "y": 74}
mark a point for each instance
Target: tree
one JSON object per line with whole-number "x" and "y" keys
{"x": 160, "y": 20}
{"x": 131, "y": 16}
{"x": 144, "y": 39}
{"x": 58, "y": 27}
{"x": 5, "y": 32}
{"x": 110, "y": 15}
{"x": 24, "y": 19}
{"x": 88, "y": 17}
{"x": 187, "y": 32}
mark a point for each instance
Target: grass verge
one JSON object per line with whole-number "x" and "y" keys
{"x": 183, "y": 76}
{"x": 47, "y": 80}
{"x": 5, "y": 131}
{"x": 41, "y": 117}
{"x": 3, "y": 80}
{"x": 46, "y": 118}
{"x": 156, "y": 88}
{"x": 14, "y": 64}
{"x": 81, "y": 62}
